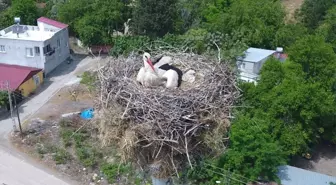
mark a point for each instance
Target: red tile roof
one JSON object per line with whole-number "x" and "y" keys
{"x": 15, "y": 75}
{"x": 52, "y": 22}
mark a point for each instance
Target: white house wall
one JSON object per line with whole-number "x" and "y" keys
{"x": 249, "y": 66}
{"x": 16, "y": 53}
{"x": 258, "y": 65}
{"x": 61, "y": 53}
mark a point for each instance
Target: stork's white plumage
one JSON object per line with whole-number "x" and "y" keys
{"x": 159, "y": 72}
{"x": 147, "y": 75}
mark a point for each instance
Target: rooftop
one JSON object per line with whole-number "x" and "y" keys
{"x": 16, "y": 75}
{"x": 45, "y": 30}
{"x": 52, "y": 22}
{"x": 257, "y": 54}
{"x": 290, "y": 175}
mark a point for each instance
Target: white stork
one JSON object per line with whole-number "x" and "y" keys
{"x": 159, "y": 72}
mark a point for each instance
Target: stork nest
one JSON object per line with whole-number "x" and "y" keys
{"x": 163, "y": 129}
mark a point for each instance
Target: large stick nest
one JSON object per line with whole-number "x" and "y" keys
{"x": 161, "y": 129}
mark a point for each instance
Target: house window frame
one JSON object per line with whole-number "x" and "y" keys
{"x": 4, "y": 49}
{"x": 37, "y": 51}
{"x": 31, "y": 52}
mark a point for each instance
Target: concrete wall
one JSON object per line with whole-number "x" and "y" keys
{"x": 249, "y": 66}
{"x": 16, "y": 53}
{"x": 61, "y": 53}
{"x": 30, "y": 85}
{"x": 258, "y": 66}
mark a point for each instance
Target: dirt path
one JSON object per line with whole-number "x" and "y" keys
{"x": 291, "y": 6}
{"x": 19, "y": 169}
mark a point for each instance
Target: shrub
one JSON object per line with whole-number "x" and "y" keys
{"x": 126, "y": 44}
{"x": 88, "y": 156}
{"x": 61, "y": 156}
{"x": 88, "y": 79}
{"x": 66, "y": 137}
{"x": 112, "y": 171}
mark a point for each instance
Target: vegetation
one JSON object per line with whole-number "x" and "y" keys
{"x": 291, "y": 109}
{"x": 3, "y": 98}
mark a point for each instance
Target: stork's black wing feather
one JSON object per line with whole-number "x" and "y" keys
{"x": 167, "y": 67}
{"x": 157, "y": 60}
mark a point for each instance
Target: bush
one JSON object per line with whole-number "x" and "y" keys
{"x": 126, "y": 44}
{"x": 88, "y": 156}
{"x": 66, "y": 137}
{"x": 88, "y": 79}
{"x": 112, "y": 171}
{"x": 61, "y": 156}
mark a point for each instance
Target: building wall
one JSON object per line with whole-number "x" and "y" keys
{"x": 61, "y": 53}
{"x": 16, "y": 53}
{"x": 257, "y": 67}
{"x": 30, "y": 85}
{"x": 246, "y": 66}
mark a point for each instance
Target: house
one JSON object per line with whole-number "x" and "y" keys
{"x": 290, "y": 175}
{"x": 21, "y": 79}
{"x": 44, "y": 46}
{"x": 251, "y": 63}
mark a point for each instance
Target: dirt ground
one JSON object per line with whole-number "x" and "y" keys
{"x": 69, "y": 99}
{"x": 291, "y": 6}
{"x": 43, "y": 130}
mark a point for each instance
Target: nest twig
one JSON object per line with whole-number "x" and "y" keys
{"x": 160, "y": 128}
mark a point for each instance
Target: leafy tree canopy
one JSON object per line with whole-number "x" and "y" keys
{"x": 154, "y": 17}
{"x": 312, "y": 12}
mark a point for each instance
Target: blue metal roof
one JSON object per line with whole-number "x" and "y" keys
{"x": 290, "y": 175}
{"x": 257, "y": 54}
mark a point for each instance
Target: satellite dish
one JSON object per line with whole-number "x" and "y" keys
{"x": 17, "y": 20}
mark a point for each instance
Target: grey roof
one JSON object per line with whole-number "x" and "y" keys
{"x": 257, "y": 54}
{"x": 290, "y": 175}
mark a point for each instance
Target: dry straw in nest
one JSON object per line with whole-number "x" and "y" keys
{"x": 161, "y": 128}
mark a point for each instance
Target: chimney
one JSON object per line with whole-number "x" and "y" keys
{"x": 278, "y": 52}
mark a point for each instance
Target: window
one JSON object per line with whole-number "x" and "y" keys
{"x": 2, "y": 49}
{"x": 66, "y": 44}
{"x": 29, "y": 52}
{"x": 58, "y": 43}
{"x": 243, "y": 65}
{"x": 46, "y": 49}
{"x": 37, "y": 51}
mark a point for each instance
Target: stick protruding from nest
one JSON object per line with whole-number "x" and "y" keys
{"x": 160, "y": 128}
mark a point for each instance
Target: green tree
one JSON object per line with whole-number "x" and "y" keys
{"x": 257, "y": 20}
{"x": 327, "y": 29}
{"x": 154, "y": 17}
{"x": 3, "y": 98}
{"x": 4, "y": 4}
{"x": 26, "y": 10}
{"x": 312, "y": 12}
{"x": 288, "y": 34}
{"x": 253, "y": 151}
{"x": 317, "y": 59}
{"x": 95, "y": 21}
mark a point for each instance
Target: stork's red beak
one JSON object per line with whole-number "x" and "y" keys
{"x": 150, "y": 64}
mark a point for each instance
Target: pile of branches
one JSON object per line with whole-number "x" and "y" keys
{"x": 162, "y": 129}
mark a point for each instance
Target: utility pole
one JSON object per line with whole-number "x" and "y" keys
{"x": 11, "y": 105}
{"x": 17, "y": 113}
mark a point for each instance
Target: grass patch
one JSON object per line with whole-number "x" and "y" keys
{"x": 113, "y": 171}
{"x": 61, "y": 156}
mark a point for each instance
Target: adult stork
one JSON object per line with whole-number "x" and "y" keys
{"x": 159, "y": 72}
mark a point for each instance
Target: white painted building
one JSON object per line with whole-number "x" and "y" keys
{"x": 250, "y": 65}
{"x": 44, "y": 46}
